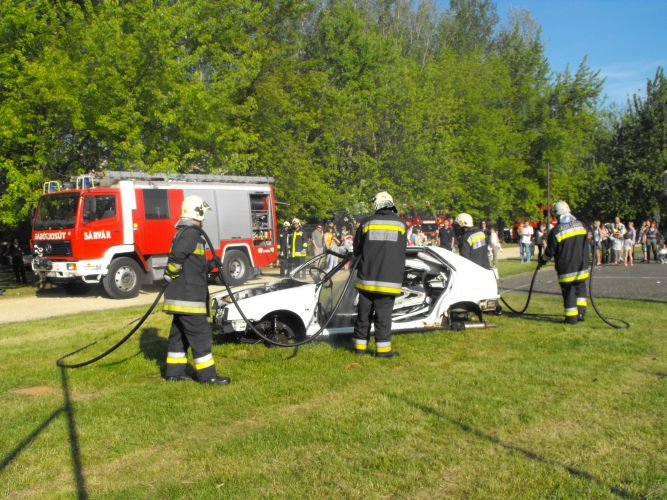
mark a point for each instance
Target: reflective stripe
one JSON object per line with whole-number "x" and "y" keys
{"x": 176, "y": 361}
{"x": 576, "y": 276}
{"x": 383, "y": 225}
{"x": 360, "y": 342}
{"x": 475, "y": 237}
{"x": 379, "y": 286}
{"x": 382, "y": 345}
{"x": 176, "y": 355}
{"x": 204, "y": 362}
{"x": 184, "y": 306}
{"x": 582, "y": 301}
{"x": 568, "y": 233}
{"x": 571, "y": 311}
{"x": 173, "y": 266}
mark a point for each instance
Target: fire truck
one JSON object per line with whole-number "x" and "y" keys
{"x": 116, "y": 227}
{"x": 425, "y": 218}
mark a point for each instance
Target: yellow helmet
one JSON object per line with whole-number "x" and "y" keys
{"x": 194, "y": 207}
{"x": 464, "y": 220}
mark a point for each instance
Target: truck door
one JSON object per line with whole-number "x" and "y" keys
{"x": 101, "y": 225}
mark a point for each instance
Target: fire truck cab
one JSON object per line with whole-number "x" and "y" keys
{"x": 117, "y": 227}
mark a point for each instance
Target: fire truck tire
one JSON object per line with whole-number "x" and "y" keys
{"x": 124, "y": 278}
{"x": 236, "y": 267}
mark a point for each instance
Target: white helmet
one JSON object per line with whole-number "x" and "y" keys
{"x": 561, "y": 208}
{"x": 383, "y": 200}
{"x": 296, "y": 221}
{"x": 464, "y": 220}
{"x": 286, "y": 223}
{"x": 194, "y": 208}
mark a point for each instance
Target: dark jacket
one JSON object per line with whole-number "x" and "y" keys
{"x": 187, "y": 293}
{"x": 567, "y": 243}
{"x": 284, "y": 244}
{"x": 380, "y": 244}
{"x": 298, "y": 244}
{"x": 473, "y": 246}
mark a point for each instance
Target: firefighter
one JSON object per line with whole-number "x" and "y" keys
{"x": 283, "y": 248}
{"x": 380, "y": 244}
{"x": 567, "y": 243}
{"x": 186, "y": 298}
{"x": 471, "y": 241}
{"x": 298, "y": 245}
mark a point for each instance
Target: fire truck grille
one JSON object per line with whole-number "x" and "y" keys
{"x": 55, "y": 248}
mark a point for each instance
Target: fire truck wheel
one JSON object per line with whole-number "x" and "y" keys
{"x": 236, "y": 267}
{"x": 124, "y": 279}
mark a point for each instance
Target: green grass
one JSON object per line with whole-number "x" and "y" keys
{"x": 13, "y": 289}
{"x": 530, "y": 409}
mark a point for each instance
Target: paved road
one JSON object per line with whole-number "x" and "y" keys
{"x": 641, "y": 281}
{"x": 54, "y": 301}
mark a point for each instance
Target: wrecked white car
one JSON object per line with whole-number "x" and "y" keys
{"x": 440, "y": 290}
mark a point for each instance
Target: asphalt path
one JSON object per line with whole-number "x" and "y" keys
{"x": 641, "y": 281}
{"x": 54, "y": 301}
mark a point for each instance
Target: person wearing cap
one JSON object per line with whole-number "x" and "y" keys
{"x": 567, "y": 244}
{"x": 471, "y": 241}
{"x": 186, "y": 298}
{"x": 298, "y": 245}
{"x": 283, "y": 248}
{"x": 379, "y": 244}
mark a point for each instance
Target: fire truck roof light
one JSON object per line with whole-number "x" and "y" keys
{"x": 51, "y": 187}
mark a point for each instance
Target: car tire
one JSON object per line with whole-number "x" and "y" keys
{"x": 124, "y": 279}
{"x": 236, "y": 267}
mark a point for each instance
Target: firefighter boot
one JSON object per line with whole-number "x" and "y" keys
{"x": 217, "y": 380}
{"x": 179, "y": 378}
{"x": 387, "y": 355}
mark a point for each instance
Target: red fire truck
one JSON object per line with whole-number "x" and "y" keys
{"x": 117, "y": 227}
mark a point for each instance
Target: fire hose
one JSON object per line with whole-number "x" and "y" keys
{"x": 61, "y": 363}
{"x": 621, "y": 323}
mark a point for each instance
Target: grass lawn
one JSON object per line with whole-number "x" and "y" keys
{"x": 530, "y": 408}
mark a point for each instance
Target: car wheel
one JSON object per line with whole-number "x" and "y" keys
{"x": 278, "y": 329}
{"x": 236, "y": 267}
{"x": 124, "y": 279}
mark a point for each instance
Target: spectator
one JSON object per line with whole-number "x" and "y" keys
{"x": 317, "y": 238}
{"x": 525, "y": 241}
{"x": 616, "y": 239}
{"x": 16, "y": 255}
{"x": 597, "y": 243}
{"x": 641, "y": 238}
{"x": 410, "y": 236}
{"x": 629, "y": 241}
{"x": 494, "y": 246}
{"x": 446, "y": 235}
{"x": 540, "y": 239}
{"x": 420, "y": 238}
{"x": 331, "y": 242}
{"x": 662, "y": 254}
{"x": 605, "y": 241}
{"x": 651, "y": 237}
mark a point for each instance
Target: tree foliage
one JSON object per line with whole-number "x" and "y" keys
{"x": 335, "y": 99}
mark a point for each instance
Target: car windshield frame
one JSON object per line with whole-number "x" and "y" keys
{"x": 56, "y": 218}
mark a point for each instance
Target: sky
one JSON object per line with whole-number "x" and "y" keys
{"x": 625, "y": 39}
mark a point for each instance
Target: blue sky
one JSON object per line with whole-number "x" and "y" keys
{"x": 625, "y": 40}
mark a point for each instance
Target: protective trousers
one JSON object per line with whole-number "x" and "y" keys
{"x": 574, "y": 300}
{"x": 195, "y": 331}
{"x": 376, "y": 308}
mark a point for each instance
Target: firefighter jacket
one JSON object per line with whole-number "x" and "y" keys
{"x": 380, "y": 244}
{"x": 298, "y": 244}
{"x": 187, "y": 292}
{"x": 567, "y": 243}
{"x": 472, "y": 246}
{"x": 283, "y": 244}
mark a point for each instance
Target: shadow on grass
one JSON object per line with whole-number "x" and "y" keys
{"x": 68, "y": 410}
{"x": 531, "y": 455}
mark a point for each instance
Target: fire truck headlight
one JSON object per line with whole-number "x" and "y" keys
{"x": 71, "y": 266}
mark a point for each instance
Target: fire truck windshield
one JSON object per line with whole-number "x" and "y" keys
{"x": 57, "y": 211}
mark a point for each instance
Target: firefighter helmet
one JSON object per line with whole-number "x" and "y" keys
{"x": 194, "y": 208}
{"x": 464, "y": 220}
{"x": 286, "y": 223}
{"x": 383, "y": 200}
{"x": 561, "y": 208}
{"x": 296, "y": 221}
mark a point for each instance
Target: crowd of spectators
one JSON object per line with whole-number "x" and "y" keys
{"x": 615, "y": 243}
